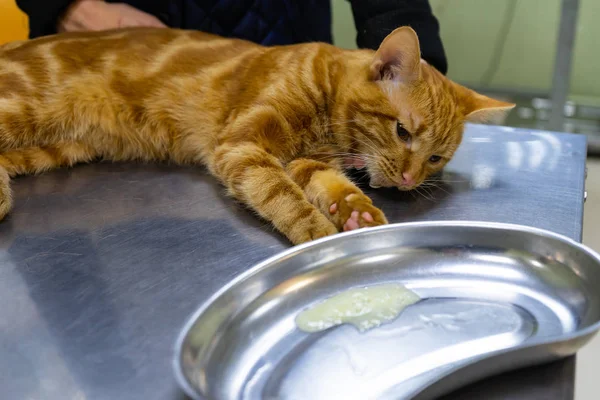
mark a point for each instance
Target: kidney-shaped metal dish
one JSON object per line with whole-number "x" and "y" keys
{"x": 494, "y": 297}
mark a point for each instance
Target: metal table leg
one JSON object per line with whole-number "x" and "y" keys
{"x": 563, "y": 61}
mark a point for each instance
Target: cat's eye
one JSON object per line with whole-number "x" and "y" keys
{"x": 402, "y": 133}
{"x": 434, "y": 159}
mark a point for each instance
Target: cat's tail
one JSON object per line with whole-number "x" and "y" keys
{"x": 34, "y": 160}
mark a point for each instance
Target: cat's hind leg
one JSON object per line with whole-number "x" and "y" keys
{"x": 335, "y": 195}
{"x": 259, "y": 180}
{"x": 35, "y": 160}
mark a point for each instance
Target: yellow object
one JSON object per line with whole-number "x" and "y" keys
{"x": 14, "y": 24}
{"x": 365, "y": 308}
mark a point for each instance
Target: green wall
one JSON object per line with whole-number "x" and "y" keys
{"x": 471, "y": 31}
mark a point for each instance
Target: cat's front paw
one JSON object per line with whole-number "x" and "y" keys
{"x": 315, "y": 226}
{"x": 354, "y": 211}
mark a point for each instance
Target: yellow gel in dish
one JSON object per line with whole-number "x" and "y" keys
{"x": 365, "y": 308}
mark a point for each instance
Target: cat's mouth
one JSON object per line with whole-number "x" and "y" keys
{"x": 379, "y": 178}
{"x": 377, "y": 182}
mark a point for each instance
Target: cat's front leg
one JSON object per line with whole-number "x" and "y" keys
{"x": 335, "y": 195}
{"x": 258, "y": 179}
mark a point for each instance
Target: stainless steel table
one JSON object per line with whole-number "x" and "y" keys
{"x": 100, "y": 265}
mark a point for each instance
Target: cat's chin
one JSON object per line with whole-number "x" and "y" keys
{"x": 400, "y": 188}
{"x": 377, "y": 183}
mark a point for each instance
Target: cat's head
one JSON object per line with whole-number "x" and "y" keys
{"x": 403, "y": 118}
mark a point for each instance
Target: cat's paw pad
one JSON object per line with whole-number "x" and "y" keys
{"x": 356, "y": 211}
{"x": 354, "y": 221}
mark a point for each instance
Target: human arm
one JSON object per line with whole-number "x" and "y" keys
{"x": 375, "y": 19}
{"x": 53, "y": 16}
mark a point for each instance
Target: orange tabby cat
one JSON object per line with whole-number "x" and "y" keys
{"x": 277, "y": 126}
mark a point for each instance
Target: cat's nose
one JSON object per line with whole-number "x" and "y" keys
{"x": 407, "y": 179}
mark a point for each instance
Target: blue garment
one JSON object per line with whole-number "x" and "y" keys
{"x": 268, "y": 22}
{"x": 271, "y": 22}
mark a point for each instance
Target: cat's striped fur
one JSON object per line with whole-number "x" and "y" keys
{"x": 277, "y": 126}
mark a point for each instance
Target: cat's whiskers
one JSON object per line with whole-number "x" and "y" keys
{"x": 442, "y": 179}
{"x": 433, "y": 185}
{"x": 387, "y": 169}
{"x": 369, "y": 145}
{"x": 360, "y": 157}
{"x": 443, "y": 190}
{"x": 426, "y": 195}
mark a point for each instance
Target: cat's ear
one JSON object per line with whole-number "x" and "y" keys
{"x": 398, "y": 57}
{"x": 479, "y": 108}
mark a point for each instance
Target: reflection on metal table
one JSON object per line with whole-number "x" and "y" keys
{"x": 100, "y": 265}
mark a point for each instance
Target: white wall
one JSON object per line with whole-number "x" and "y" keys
{"x": 471, "y": 31}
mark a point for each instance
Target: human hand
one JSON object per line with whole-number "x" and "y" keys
{"x": 97, "y": 15}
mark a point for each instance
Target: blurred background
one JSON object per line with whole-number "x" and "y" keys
{"x": 541, "y": 54}
{"x": 508, "y": 48}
